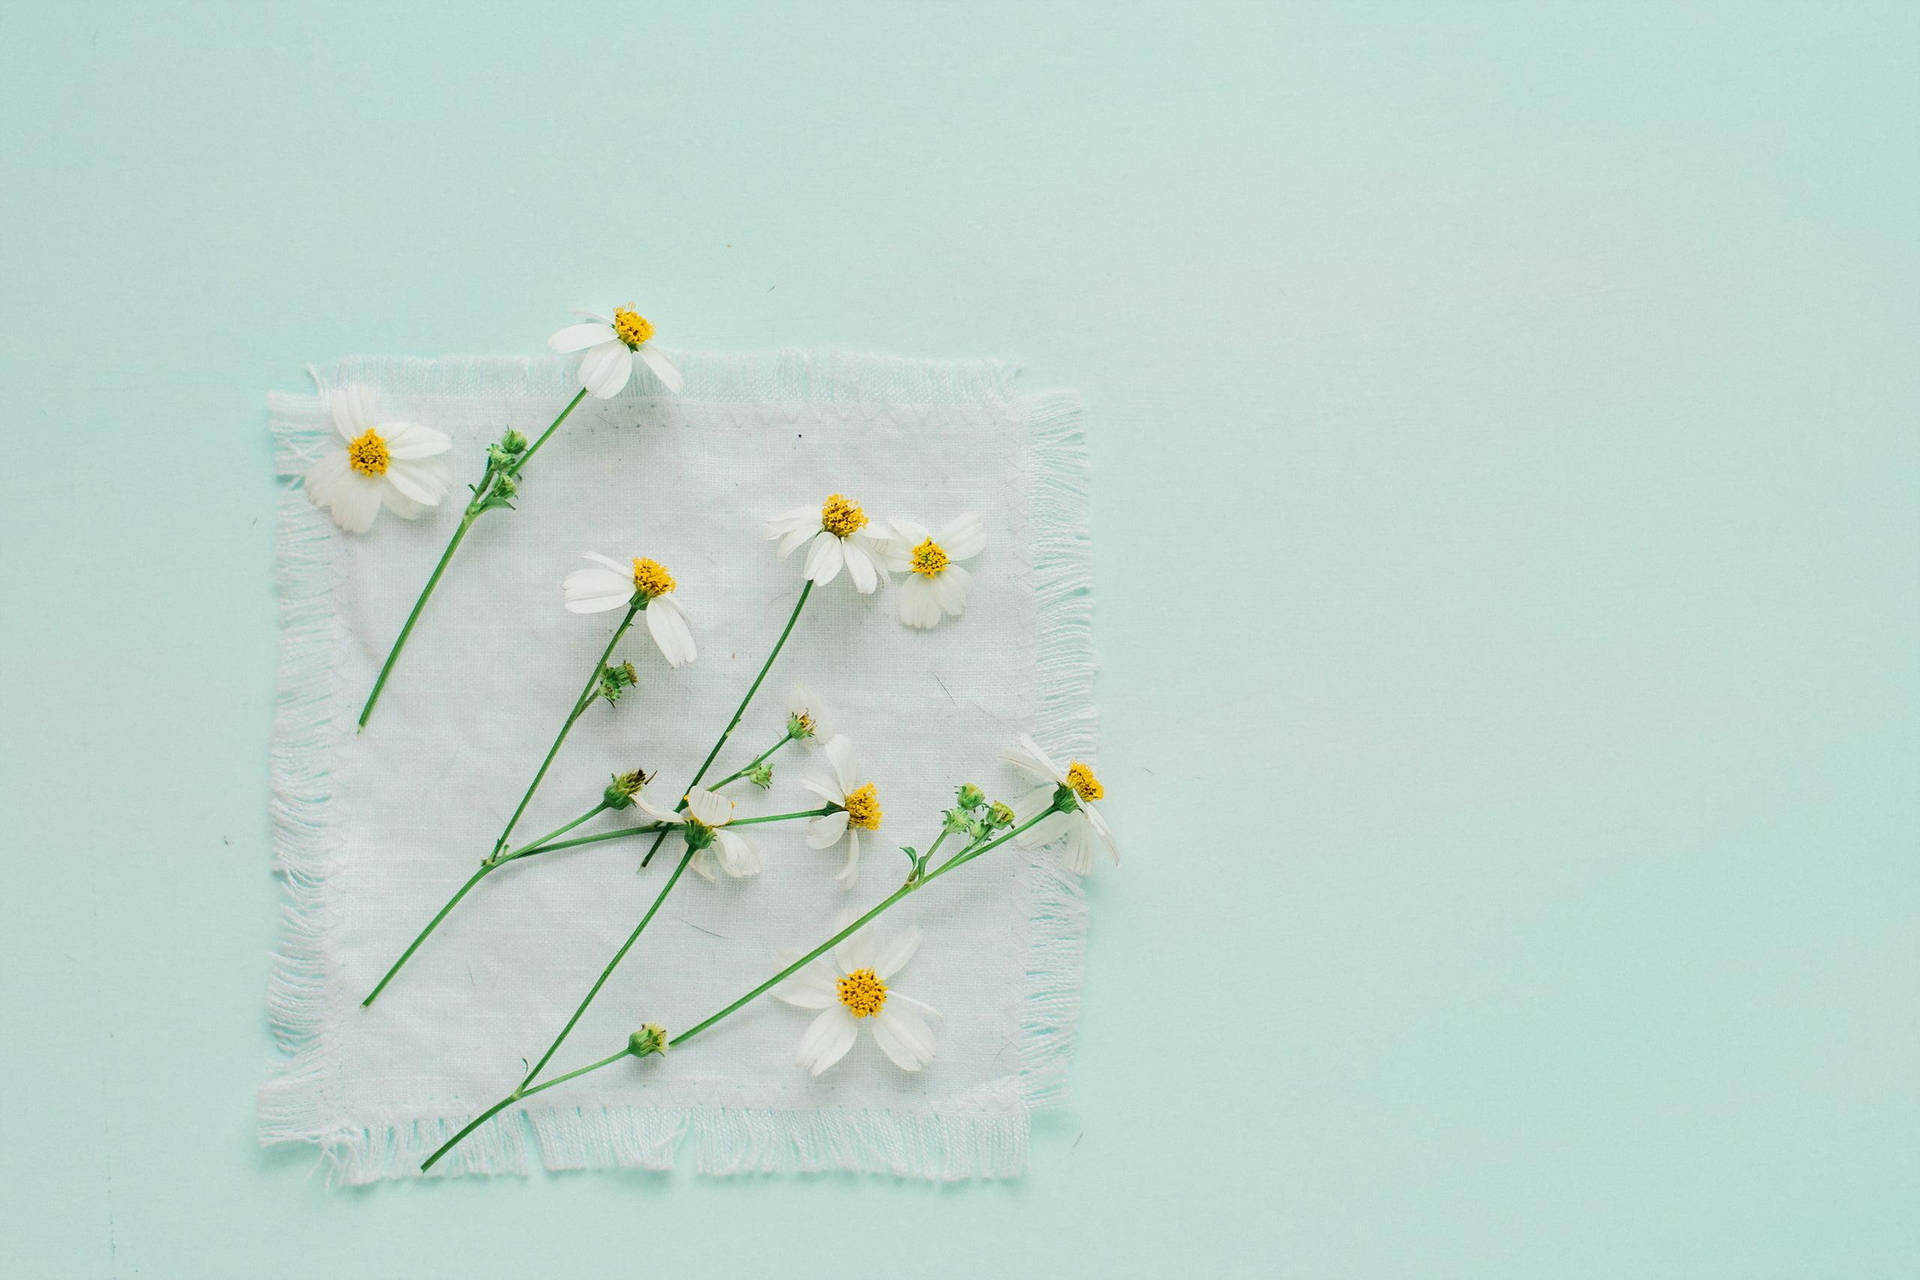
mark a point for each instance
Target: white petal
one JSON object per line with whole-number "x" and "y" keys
{"x": 400, "y": 504}
{"x": 807, "y": 518}
{"x": 903, "y": 1035}
{"x": 655, "y": 812}
{"x": 1098, "y": 822}
{"x": 831, "y": 795}
{"x": 596, "y": 590}
{"x": 709, "y": 807}
{"x": 810, "y": 988}
{"x": 860, "y": 567}
{"x": 356, "y": 501}
{"x": 840, "y": 755}
{"x": 1030, "y": 757}
{"x": 738, "y": 856}
{"x": 827, "y": 1039}
{"x": 919, "y": 607}
{"x": 670, "y": 632}
{"x": 1046, "y": 831}
{"x": 950, "y": 588}
{"x": 803, "y": 701}
{"x": 1079, "y": 853}
{"x": 353, "y": 408}
{"x": 605, "y": 369}
{"x": 578, "y": 337}
{"x": 794, "y": 539}
{"x": 855, "y": 951}
{"x": 963, "y": 537}
{"x": 850, "y": 869}
{"x": 908, "y": 534}
{"x": 891, "y": 956}
{"x": 662, "y": 369}
{"x": 824, "y": 558}
{"x": 324, "y": 477}
{"x": 826, "y": 830}
{"x": 424, "y": 480}
{"x": 408, "y": 441}
{"x": 702, "y": 865}
{"x": 607, "y": 562}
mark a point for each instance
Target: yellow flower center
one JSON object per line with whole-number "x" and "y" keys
{"x": 631, "y": 327}
{"x": 1084, "y": 784}
{"x": 650, "y": 578}
{"x": 929, "y": 559}
{"x": 863, "y": 808}
{"x": 368, "y": 454}
{"x": 842, "y": 518}
{"x": 862, "y": 993}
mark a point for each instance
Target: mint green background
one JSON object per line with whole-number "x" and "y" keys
{"x": 1504, "y": 434}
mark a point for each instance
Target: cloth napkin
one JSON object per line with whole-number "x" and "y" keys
{"x": 372, "y": 831}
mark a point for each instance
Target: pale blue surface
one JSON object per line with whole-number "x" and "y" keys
{"x": 1504, "y": 437}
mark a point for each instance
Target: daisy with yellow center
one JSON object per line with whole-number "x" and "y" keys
{"x": 809, "y": 721}
{"x": 1081, "y": 826}
{"x": 856, "y": 807}
{"x": 935, "y": 585}
{"x": 836, "y": 534}
{"x": 613, "y": 347}
{"x": 645, "y": 584}
{"x": 705, "y": 822}
{"x": 382, "y": 463}
{"x": 852, "y": 987}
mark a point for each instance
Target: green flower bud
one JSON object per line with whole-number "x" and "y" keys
{"x": 615, "y": 681}
{"x": 621, "y": 791}
{"x": 1000, "y": 816}
{"x": 513, "y": 442}
{"x": 761, "y": 775}
{"x": 648, "y": 1040}
{"x": 800, "y": 725}
{"x": 972, "y": 797}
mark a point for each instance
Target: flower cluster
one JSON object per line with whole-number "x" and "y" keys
{"x": 839, "y": 534}
{"x": 849, "y": 981}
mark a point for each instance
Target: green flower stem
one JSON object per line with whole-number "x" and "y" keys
{"x": 537, "y": 846}
{"x": 760, "y": 759}
{"x": 512, "y": 1098}
{"x": 475, "y": 509}
{"x": 607, "y": 972}
{"x": 913, "y": 883}
{"x": 546, "y": 435}
{"x": 487, "y": 868}
{"x": 540, "y": 846}
{"x": 805, "y": 591}
{"x": 588, "y": 696}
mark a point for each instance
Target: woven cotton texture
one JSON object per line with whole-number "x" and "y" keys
{"x": 373, "y": 831}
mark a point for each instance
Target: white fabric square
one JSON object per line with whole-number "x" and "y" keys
{"x": 373, "y": 831}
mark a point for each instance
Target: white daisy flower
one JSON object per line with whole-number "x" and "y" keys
{"x": 935, "y": 585}
{"x": 850, "y": 987}
{"x": 1081, "y": 825}
{"x": 858, "y": 808}
{"x": 612, "y": 347}
{"x": 809, "y": 719}
{"x": 705, "y": 819}
{"x": 398, "y": 465}
{"x": 611, "y": 585}
{"x": 834, "y": 535}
